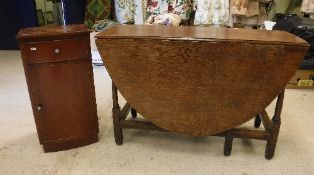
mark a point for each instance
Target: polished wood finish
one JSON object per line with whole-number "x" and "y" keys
{"x": 199, "y": 81}
{"x": 50, "y": 31}
{"x": 201, "y": 34}
{"x": 45, "y": 50}
{"x": 58, "y": 69}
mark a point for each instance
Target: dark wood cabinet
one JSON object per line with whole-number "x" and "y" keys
{"x": 58, "y": 69}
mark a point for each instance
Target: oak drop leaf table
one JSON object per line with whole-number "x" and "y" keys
{"x": 200, "y": 80}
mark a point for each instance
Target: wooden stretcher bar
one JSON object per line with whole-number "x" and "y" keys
{"x": 270, "y": 134}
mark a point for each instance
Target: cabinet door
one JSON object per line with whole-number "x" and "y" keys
{"x": 63, "y": 100}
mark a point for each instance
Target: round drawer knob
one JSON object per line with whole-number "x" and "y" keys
{"x": 57, "y": 51}
{"x": 39, "y": 108}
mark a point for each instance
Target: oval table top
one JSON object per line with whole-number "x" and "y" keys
{"x": 199, "y": 80}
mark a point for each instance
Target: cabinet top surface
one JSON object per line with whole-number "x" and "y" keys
{"x": 201, "y": 33}
{"x": 52, "y": 31}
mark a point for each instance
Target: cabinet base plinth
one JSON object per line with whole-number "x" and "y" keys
{"x": 53, "y": 147}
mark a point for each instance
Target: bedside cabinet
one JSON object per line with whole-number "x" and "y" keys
{"x": 59, "y": 74}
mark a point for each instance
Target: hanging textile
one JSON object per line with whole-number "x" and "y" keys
{"x": 251, "y": 21}
{"x": 239, "y": 7}
{"x": 284, "y": 7}
{"x": 245, "y": 7}
{"x": 125, "y": 10}
{"x": 183, "y": 8}
{"x": 129, "y": 11}
{"x": 308, "y": 7}
{"x": 96, "y": 10}
{"x": 212, "y": 12}
{"x": 139, "y": 12}
{"x": 248, "y": 13}
{"x": 160, "y": 7}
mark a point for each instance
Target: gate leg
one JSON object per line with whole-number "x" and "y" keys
{"x": 116, "y": 116}
{"x": 276, "y": 121}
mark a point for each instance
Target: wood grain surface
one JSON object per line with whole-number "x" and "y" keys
{"x": 199, "y": 86}
{"x": 201, "y": 33}
{"x": 52, "y": 31}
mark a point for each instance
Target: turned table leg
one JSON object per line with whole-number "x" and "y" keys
{"x": 228, "y": 143}
{"x": 276, "y": 121}
{"x": 116, "y": 116}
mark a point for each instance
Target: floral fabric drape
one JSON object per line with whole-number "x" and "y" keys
{"x": 183, "y": 8}
{"x": 139, "y": 12}
{"x": 211, "y": 12}
{"x": 207, "y": 12}
{"x": 125, "y": 10}
{"x": 159, "y": 7}
{"x": 130, "y": 11}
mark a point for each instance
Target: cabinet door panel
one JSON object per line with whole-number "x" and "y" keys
{"x": 63, "y": 100}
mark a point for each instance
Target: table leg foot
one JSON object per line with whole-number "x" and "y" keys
{"x": 133, "y": 113}
{"x": 271, "y": 142}
{"x": 257, "y": 122}
{"x": 228, "y": 143}
{"x": 269, "y": 156}
{"x": 118, "y": 136}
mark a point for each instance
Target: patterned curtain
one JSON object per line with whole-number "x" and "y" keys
{"x": 97, "y": 10}
{"x": 137, "y": 11}
{"x": 212, "y": 12}
{"x": 125, "y": 10}
{"x": 182, "y": 8}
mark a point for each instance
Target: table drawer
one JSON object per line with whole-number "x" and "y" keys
{"x": 60, "y": 50}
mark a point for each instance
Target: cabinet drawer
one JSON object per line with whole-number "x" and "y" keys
{"x": 57, "y": 50}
